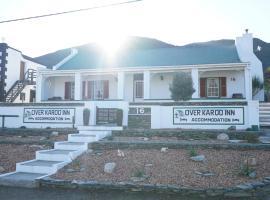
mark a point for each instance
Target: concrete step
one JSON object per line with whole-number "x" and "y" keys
{"x": 100, "y": 128}
{"x": 99, "y": 134}
{"x": 65, "y": 145}
{"x": 58, "y": 155}
{"x": 21, "y": 179}
{"x": 82, "y": 138}
{"x": 40, "y": 166}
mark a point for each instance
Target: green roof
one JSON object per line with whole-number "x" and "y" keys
{"x": 161, "y": 54}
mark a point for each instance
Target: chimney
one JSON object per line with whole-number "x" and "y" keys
{"x": 244, "y": 44}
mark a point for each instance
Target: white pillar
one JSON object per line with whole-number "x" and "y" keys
{"x": 248, "y": 85}
{"x": 120, "y": 85}
{"x": 77, "y": 88}
{"x": 39, "y": 87}
{"x": 146, "y": 84}
{"x": 195, "y": 80}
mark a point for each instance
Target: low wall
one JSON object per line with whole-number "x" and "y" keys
{"x": 198, "y": 115}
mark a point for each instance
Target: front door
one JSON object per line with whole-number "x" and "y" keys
{"x": 22, "y": 68}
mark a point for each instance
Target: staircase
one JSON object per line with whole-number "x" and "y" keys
{"x": 48, "y": 162}
{"x": 264, "y": 114}
{"x": 18, "y": 86}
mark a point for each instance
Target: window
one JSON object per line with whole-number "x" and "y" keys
{"x": 98, "y": 89}
{"x": 213, "y": 87}
{"x": 138, "y": 89}
{"x": 69, "y": 90}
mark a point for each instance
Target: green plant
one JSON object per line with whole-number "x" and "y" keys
{"x": 119, "y": 117}
{"x": 246, "y": 169}
{"x": 193, "y": 152}
{"x": 76, "y": 164}
{"x": 86, "y": 116}
{"x": 181, "y": 87}
{"x": 257, "y": 85}
{"x": 251, "y": 137}
{"x": 139, "y": 173}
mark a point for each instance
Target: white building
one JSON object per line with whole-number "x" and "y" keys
{"x": 137, "y": 80}
{"x": 17, "y": 75}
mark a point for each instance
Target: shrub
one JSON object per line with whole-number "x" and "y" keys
{"x": 139, "y": 173}
{"x": 192, "y": 152}
{"x": 182, "y": 87}
{"x": 86, "y": 116}
{"x": 119, "y": 117}
{"x": 257, "y": 85}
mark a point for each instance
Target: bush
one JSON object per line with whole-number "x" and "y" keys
{"x": 139, "y": 173}
{"x": 119, "y": 117}
{"x": 192, "y": 152}
{"x": 182, "y": 87}
{"x": 86, "y": 116}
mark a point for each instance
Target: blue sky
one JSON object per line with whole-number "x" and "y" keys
{"x": 174, "y": 21}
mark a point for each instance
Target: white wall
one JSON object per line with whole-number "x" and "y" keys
{"x": 159, "y": 89}
{"x": 128, "y": 87}
{"x": 244, "y": 47}
{"x": 237, "y": 86}
{"x": 26, "y": 90}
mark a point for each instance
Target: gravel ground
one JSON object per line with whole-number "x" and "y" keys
{"x": 171, "y": 167}
{"x": 162, "y": 139}
{"x": 32, "y": 139}
{"x": 10, "y": 154}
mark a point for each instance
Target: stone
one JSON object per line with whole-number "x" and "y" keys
{"x": 145, "y": 139}
{"x": 237, "y": 141}
{"x": 264, "y": 140}
{"x": 36, "y": 146}
{"x": 223, "y": 136}
{"x": 252, "y": 174}
{"x": 120, "y": 153}
{"x": 148, "y": 165}
{"x": 246, "y": 186}
{"x": 206, "y": 173}
{"x": 54, "y": 133}
{"x": 164, "y": 149}
{"x": 2, "y": 169}
{"x": 250, "y": 161}
{"x": 232, "y": 128}
{"x": 137, "y": 179}
{"x": 42, "y": 138}
{"x": 109, "y": 167}
{"x": 199, "y": 158}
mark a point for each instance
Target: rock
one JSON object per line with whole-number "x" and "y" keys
{"x": 250, "y": 161}
{"x": 54, "y": 133}
{"x": 2, "y": 169}
{"x": 252, "y": 174}
{"x": 109, "y": 167}
{"x": 36, "y": 146}
{"x": 69, "y": 170}
{"x": 145, "y": 139}
{"x": 120, "y": 153}
{"x": 206, "y": 173}
{"x": 199, "y": 158}
{"x": 42, "y": 138}
{"x": 223, "y": 136}
{"x": 237, "y": 141}
{"x": 164, "y": 149}
{"x": 232, "y": 128}
{"x": 148, "y": 165}
{"x": 264, "y": 140}
{"x": 246, "y": 186}
{"x": 138, "y": 179}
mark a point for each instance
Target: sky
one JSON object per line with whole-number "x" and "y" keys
{"x": 176, "y": 22}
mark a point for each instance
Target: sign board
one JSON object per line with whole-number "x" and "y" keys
{"x": 208, "y": 115}
{"x": 48, "y": 115}
{"x": 139, "y": 111}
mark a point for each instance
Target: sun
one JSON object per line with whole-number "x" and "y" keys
{"x": 111, "y": 44}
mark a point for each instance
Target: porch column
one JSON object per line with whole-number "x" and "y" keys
{"x": 39, "y": 86}
{"x": 120, "y": 85}
{"x": 195, "y": 80}
{"x": 146, "y": 84}
{"x": 248, "y": 85}
{"x": 77, "y": 87}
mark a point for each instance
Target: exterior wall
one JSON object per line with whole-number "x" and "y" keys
{"x": 128, "y": 87}
{"x": 161, "y": 112}
{"x": 26, "y": 90}
{"x": 159, "y": 89}
{"x": 244, "y": 47}
{"x": 235, "y": 81}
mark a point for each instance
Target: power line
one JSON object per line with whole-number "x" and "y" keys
{"x": 70, "y": 11}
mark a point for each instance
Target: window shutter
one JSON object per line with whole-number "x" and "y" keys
{"x": 223, "y": 87}
{"x": 83, "y": 90}
{"x": 67, "y": 90}
{"x": 106, "y": 89}
{"x": 89, "y": 89}
{"x": 203, "y": 87}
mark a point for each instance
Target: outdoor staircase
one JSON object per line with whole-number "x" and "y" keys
{"x": 19, "y": 85}
{"x": 48, "y": 162}
{"x": 264, "y": 114}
